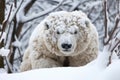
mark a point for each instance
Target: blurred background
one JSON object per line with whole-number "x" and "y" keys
{"x": 18, "y": 18}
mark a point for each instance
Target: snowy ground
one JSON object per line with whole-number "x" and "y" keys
{"x": 96, "y": 70}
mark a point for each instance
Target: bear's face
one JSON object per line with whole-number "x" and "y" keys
{"x": 66, "y": 39}
{"x": 66, "y": 36}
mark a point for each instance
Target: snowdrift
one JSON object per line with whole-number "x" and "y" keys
{"x": 96, "y": 70}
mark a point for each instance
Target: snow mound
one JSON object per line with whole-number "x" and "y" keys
{"x": 96, "y": 70}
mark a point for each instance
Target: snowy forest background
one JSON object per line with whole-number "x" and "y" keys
{"x": 18, "y": 18}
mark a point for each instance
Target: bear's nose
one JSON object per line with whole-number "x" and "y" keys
{"x": 66, "y": 46}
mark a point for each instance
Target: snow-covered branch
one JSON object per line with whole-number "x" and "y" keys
{"x": 15, "y": 11}
{"x": 113, "y": 40}
{"x": 117, "y": 20}
{"x": 118, "y": 6}
{"x": 76, "y": 4}
{"x": 105, "y": 22}
{"x": 4, "y": 52}
{"x": 5, "y": 22}
{"x": 25, "y": 19}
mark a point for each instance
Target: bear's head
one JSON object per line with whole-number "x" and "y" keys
{"x": 67, "y": 33}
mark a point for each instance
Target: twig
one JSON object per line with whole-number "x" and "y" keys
{"x": 28, "y": 6}
{"x": 15, "y": 12}
{"x": 18, "y": 47}
{"x": 6, "y": 40}
{"x": 111, "y": 49}
{"x": 110, "y": 59}
{"x": 92, "y": 9}
{"x": 118, "y": 6}
{"x": 115, "y": 40}
{"x": 115, "y": 46}
{"x": 105, "y": 21}
{"x": 19, "y": 50}
{"x": 98, "y": 16}
{"x": 15, "y": 2}
{"x": 8, "y": 65}
{"x": 25, "y": 32}
{"x": 40, "y": 6}
{"x": 77, "y": 4}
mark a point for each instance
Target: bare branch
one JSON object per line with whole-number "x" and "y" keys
{"x": 115, "y": 41}
{"x": 2, "y": 10}
{"x": 8, "y": 41}
{"x": 114, "y": 29}
{"x": 20, "y": 54}
{"x": 115, "y": 46}
{"x": 25, "y": 32}
{"x": 15, "y": 2}
{"x": 77, "y": 4}
{"x": 4, "y": 24}
{"x": 10, "y": 69}
{"x": 105, "y": 21}
{"x": 118, "y": 6}
{"x": 22, "y": 9}
{"x": 18, "y": 46}
{"x": 15, "y": 12}
{"x": 98, "y": 16}
{"x": 28, "y": 6}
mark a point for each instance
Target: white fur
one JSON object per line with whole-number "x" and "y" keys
{"x": 45, "y": 50}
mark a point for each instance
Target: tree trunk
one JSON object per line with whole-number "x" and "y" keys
{"x": 2, "y": 10}
{"x": 2, "y": 13}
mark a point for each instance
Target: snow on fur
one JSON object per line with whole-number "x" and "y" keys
{"x": 45, "y": 48}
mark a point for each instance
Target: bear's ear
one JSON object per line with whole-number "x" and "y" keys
{"x": 87, "y": 23}
{"x": 46, "y": 26}
{"x": 84, "y": 22}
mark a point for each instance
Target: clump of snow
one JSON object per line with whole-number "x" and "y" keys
{"x": 82, "y": 22}
{"x": 3, "y": 36}
{"x": 106, "y": 38}
{"x": 73, "y": 29}
{"x": 4, "y": 52}
{"x": 17, "y": 43}
{"x": 2, "y": 70}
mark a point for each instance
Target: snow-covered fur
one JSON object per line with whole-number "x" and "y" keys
{"x": 61, "y": 39}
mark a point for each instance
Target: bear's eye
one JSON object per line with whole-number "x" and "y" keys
{"x": 47, "y": 26}
{"x": 58, "y": 32}
{"x": 75, "y": 32}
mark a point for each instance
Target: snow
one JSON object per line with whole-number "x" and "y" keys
{"x": 2, "y": 70}
{"x": 34, "y": 16}
{"x": 95, "y": 70}
{"x": 83, "y": 22}
{"x": 4, "y": 52}
{"x": 73, "y": 29}
{"x": 94, "y": 10}
{"x": 118, "y": 36}
{"x": 3, "y": 36}
{"x": 17, "y": 43}
{"x": 53, "y": 74}
{"x": 112, "y": 72}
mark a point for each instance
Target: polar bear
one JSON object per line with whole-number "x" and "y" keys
{"x": 61, "y": 39}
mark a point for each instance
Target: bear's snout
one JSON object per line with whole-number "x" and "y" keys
{"x": 66, "y": 46}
